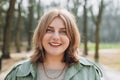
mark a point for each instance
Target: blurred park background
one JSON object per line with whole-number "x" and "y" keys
{"x": 98, "y": 22}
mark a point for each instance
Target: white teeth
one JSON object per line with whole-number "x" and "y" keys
{"x": 55, "y": 44}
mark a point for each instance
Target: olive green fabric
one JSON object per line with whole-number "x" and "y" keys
{"x": 84, "y": 70}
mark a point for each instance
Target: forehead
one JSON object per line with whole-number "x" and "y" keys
{"x": 57, "y": 22}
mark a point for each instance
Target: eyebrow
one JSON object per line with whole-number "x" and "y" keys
{"x": 63, "y": 28}
{"x": 50, "y": 27}
{"x": 53, "y": 27}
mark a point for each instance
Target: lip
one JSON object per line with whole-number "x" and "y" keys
{"x": 55, "y": 44}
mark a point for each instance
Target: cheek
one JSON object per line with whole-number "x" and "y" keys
{"x": 45, "y": 37}
{"x": 66, "y": 41}
{"x": 44, "y": 40}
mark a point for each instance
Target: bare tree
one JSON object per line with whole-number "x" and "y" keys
{"x": 7, "y": 30}
{"x": 74, "y": 9}
{"x": 18, "y": 28}
{"x": 97, "y": 21}
{"x": 85, "y": 28}
{"x": 39, "y": 9}
{"x": 30, "y": 23}
{"x": 76, "y": 4}
{"x": 0, "y": 28}
{"x": 2, "y": 20}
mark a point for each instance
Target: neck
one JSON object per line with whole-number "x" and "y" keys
{"x": 54, "y": 60}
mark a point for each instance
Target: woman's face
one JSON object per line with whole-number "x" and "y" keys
{"x": 55, "y": 40}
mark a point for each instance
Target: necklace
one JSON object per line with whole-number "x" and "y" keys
{"x": 53, "y": 77}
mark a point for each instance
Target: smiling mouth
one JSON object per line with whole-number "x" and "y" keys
{"x": 55, "y": 44}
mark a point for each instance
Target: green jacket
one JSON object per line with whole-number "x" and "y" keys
{"x": 84, "y": 70}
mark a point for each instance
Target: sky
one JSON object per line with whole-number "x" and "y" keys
{"x": 47, "y": 2}
{"x": 63, "y": 2}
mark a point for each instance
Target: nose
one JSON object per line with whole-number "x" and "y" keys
{"x": 56, "y": 36}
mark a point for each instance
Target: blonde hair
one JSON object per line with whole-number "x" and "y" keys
{"x": 71, "y": 53}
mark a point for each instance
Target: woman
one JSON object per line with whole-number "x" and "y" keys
{"x": 56, "y": 40}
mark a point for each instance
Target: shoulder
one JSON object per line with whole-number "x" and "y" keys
{"x": 86, "y": 62}
{"x": 91, "y": 65}
{"x": 21, "y": 68}
{"x": 85, "y": 69}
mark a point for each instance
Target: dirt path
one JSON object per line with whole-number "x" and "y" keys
{"x": 110, "y": 74}
{"x": 106, "y": 51}
{"x": 8, "y": 63}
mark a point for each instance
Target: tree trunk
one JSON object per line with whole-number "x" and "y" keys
{"x": 30, "y": 23}
{"x": 0, "y": 33}
{"x": 85, "y": 29}
{"x": 18, "y": 29}
{"x": 39, "y": 9}
{"x": 0, "y": 27}
{"x": 97, "y": 37}
{"x": 97, "y": 43}
{"x": 7, "y": 30}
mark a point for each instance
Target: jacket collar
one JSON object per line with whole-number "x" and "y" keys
{"x": 71, "y": 71}
{"x": 26, "y": 67}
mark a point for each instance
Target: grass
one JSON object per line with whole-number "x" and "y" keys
{"x": 109, "y": 54}
{"x": 91, "y": 46}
